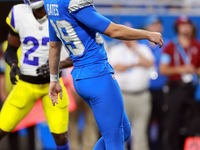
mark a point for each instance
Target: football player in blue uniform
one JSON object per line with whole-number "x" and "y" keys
{"x": 76, "y": 24}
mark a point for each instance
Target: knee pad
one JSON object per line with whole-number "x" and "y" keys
{"x": 127, "y": 132}
{"x": 114, "y": 140}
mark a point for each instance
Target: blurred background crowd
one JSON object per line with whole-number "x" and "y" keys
{"x": 160, "y": 86}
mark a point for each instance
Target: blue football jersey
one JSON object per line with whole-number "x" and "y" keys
{"x": 77, "y": 24}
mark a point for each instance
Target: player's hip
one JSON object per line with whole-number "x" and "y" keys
{"x": 25, "y": 89}
{"x": 97, "y": 86}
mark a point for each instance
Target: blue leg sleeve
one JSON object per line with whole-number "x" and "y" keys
{"x": 104, "y": 97}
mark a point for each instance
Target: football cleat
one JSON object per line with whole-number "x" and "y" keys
{"x": 34, "y": 4}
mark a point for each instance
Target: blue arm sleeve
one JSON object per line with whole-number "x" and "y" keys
{"x": 92, "y": 19}
{"x": 165, "y": 59}
{"x": 52, "y": 33}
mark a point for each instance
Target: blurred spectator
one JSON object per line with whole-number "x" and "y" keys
{"x": 181, "y": 61}
{"x": 85, "y": 140}
{"x": 131, "y": 62}
{"x": 157, "y": 82}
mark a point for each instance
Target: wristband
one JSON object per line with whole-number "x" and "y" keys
{"x": 54, "y": 77}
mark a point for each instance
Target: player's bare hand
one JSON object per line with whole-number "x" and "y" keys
{"x": 156, "y": 38}
{"x": 55, "y": 89}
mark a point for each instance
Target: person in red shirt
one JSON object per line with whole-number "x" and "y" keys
{"x": 181, "y": 62}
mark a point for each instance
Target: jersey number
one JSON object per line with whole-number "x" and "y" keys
{"x": 35, "y": 61}
{"x": 68, "y": 36}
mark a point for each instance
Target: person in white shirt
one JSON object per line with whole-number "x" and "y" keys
{"x": 132, "y": 63}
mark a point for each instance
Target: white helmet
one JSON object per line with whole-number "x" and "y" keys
{"x": 35, "y": 4}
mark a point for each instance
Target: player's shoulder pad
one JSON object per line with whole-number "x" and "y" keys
{"x": 21, "y": 8}
{"x": 16, "y": 15}
{"x": 78, "y": 4}
{"x": 17, "y": 11}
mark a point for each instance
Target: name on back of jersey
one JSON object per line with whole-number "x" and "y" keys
{"x": 52, "y": 9}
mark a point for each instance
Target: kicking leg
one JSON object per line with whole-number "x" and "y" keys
{"x": 107, "y": 105}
